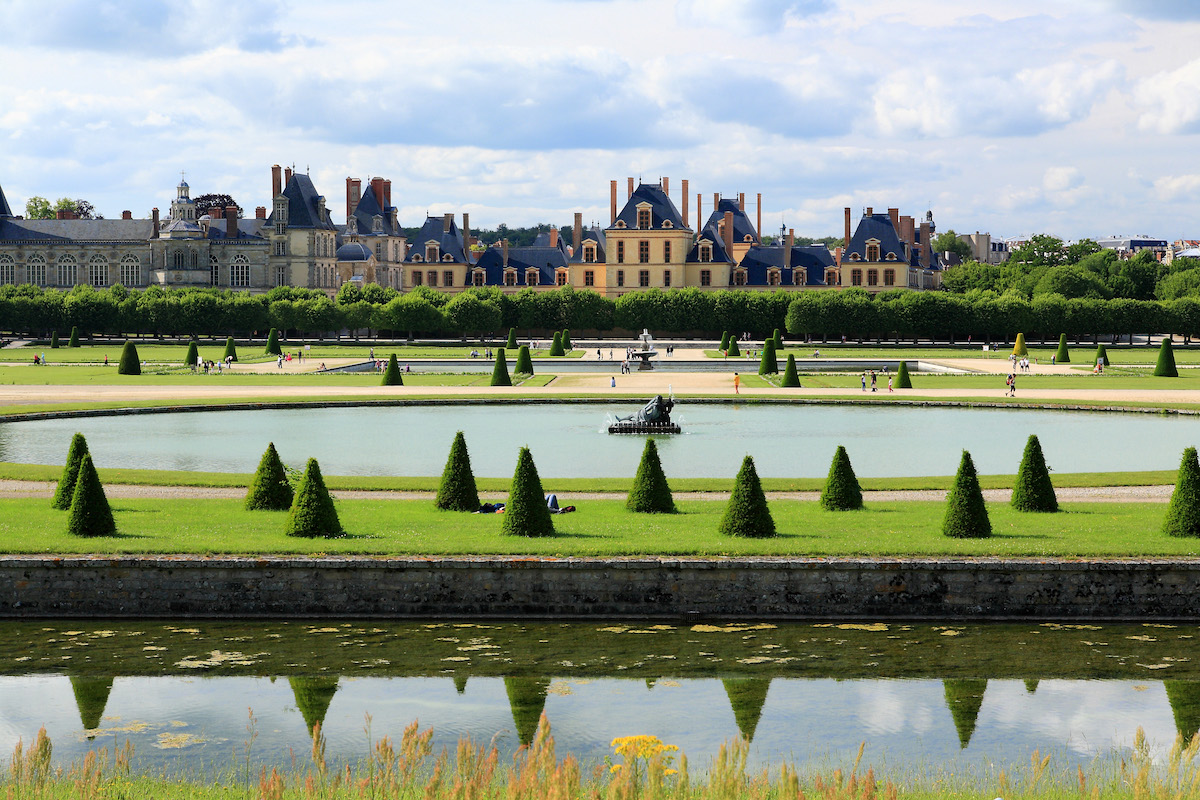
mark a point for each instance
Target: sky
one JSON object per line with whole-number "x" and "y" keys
{"x": 1078, "y": 118}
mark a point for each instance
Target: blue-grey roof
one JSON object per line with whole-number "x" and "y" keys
{"x": 247, "y": 228}
{"x": 719, "y": 256}
{"x": 353, "y": 251}
{"x": 76, "y": 230}
{"x": 545, "y": 259}
{"x": 590, "y": 234}
{"x": 5, "y": 210}
{"x": 811, "y": 260}
{"x": 433, "y": 230}
{"x": 742, "y": 227}
{"x": 303, "y": 209}
{"x": 875, "y": 226}
{"x": 661, "y": 208}
{"x": 369, "y": 206}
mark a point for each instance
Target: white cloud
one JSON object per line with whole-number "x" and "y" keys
{"x": 1174, "y": 187}
{"x": 750, "y": 17}
{"x": 1060, "y": 179}
{"x": 1170, "y": 101}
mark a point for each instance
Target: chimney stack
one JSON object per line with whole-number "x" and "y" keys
{"x": 353, "y": 195}
{"x": 742, "y": 202}
{"x": 613, "y": 221}
{"x": 64, "y": 214}
{"x": 504, "y": 251}
{"x": 126, "y": 215}
{"x": 287, "y": 176}
{"x": 870, "y": 211}
{"x": 630, "y": 188}
{"x": 759, "y": 228}
{"x": 260, "y": 212}
{"x": 847, "y": 245}
{"x": 577, "y": 232}
{"x": 231, "y": 222}
{"x": 387, "y": 194}
{"x": 466, "y": 231}
{"x": 667, "y": 186}
{"x": 728, "y": 233}
{"x": 553, "y": 236}
{"x": 699, "y": 213}
{"x": 894, "y": 213}
{"x": 276, "y": 186}
{"x": 716, "y": 201}
{"x": 684, "y": 186}
{"x": 791, "y": 242}
{"x": 926, "y": 247}
{"x": 377, "y": 188}
{"x": 447, "y": 221}
{"x": 154, "y": 220}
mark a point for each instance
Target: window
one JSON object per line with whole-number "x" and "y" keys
{"x": 8, "y": 270}
{"x": 193, "y": 259}
{"x": 831, "y": 278}
{"x": 644, "y": 277}
{"x": 560, "y": 277}
{"x": 66, "y": 270}
{"x": 279, "y": 247}
{"x": 178, "y": 259}
{"x": 773, "y": 278}
{"x": 447, "y": 278}
{"x": 281, "y": 276}
{"x": 431, "y": 252}
{"x": 478, "y": 276}
{"x": 379, "y": 251}
{"x": 620, "y": 277}
{"x": 131, "y": 270}
{"x": 531, "y": 277}
{"x": 739, "y": 277}
{"x": 589, "y": 278}
{"x": 799, "y": 277}
{"x": 643, "y": 252}
{"x": 589, "y": 254}
{"x": 644, "y": 218}
{"x": 35, "y": 269}
{"x": 872, "y": 252}
{"x": 239, "y": 272}
{"x": 667, "y": 251}
{"x": 856, "y": 277}
{"x": 620, "y": 252}
{"x": 417, "y": 277}
{"x": 705, "y": 253}
{"x": 706, "y": 277}
{"x": 214, "y": 272}
{"x": 889, "y": 277}
{"x": 667, "y": 277}
{"x": 431, "y": 277}
{"x": 872, "y": 277}
{"x": 510, "y": 277}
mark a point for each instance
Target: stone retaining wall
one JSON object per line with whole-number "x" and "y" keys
{"x": 664, "y": 588}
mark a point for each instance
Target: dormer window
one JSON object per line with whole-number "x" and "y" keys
{"x": 739, "y": 277}
{"x": 773, "y": 277}
{"x": 891, "y": 257}
{"x": 747, "y": 238}
{"x": 643, "y": 218}
{"x": 477, "y": 275}
{"x": 510, "y": 277}
{"x": 560, "y": 277}
{"x": 447, "y": 257}
{"x": 377, "y": 224}
{"x": 872, "y": 251}
{"x": 620, "y": 223}
{"x": 531, "y": 277}
{"x": 667, "y": 224}
{"x": 705, "y": 252}
{"x": 417, "y": 258}
{"x": 855, "y": 257}
{"x": 589, "y": 254}
{"x": 431, "y": 252}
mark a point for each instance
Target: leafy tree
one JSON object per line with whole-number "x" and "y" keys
{"x": 1165, "y": 367}
{"x": 129, "y": 363}
{"x": 193, "y": 353}
{"x": 841, "y": 491}
{"x": 1183, "y": 513}
{"x": 457, "y": 490}
{"x": 747, "y": 513}
{"x": 206, "y": 203}
{"x": 312, "y": 513}
{"x": 468, "y": 314}
{"x": 230, "y": 350}
{"x": 38, "y": 208}
{"x": 1062, "y": 356}
{"x": 790, "y": 379}
{"x": 90, "y": 512}
{"x": 1034, "y": 490}
{"x": 74, "y": 340}
{"x": 500, "y": 371}
{"x": 768, "y": 364}
{"x": 391, "y": 376}
{"x": 903, "y": 381}
{"x": 650, "y": 493}
{"x": 511, "y": 344}
{"x": 65, "y": 490}
{"x": 966, "y": 515}
{"x": 526, "y": 513}
{"x": 524, "y": 365}
{"x": 269, "y": 489}
{"x": 949, "y": 242}
{"x": 1080, "y": 250}
{"x": 1041, "y": 250}
{"x": 273, "y": 348}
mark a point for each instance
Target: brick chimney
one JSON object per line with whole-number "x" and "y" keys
{"x": 577, "y": 232}
{"x": 231, "y": 222}
{"x": 387, "y": 193}
{"x": 716, "y": 201}
{"x": 377, "y": 188}
{"x": 126, "y": 215}
{"x": 699, "y": 213}
{"x": 728, "y": 232}
{"x": 894, "y": 213}
{"x": 742, "y": 202}
{"x": 791, "y": 242}
{"x": 466, "y": 232}
{"x": 504, "y": 249}
{"x": 926, "y": 245}
{"x": 353, "y": 195}
{"x": 154, "y": 221}
{"x": 847, "y": 243}
{"x": 684, "y": 186}
{"x": 64, "y": 214}
{"x": 630, "y": 180}
{"x": 759, "y": 228}
{"x": 276, "y": 186}
{"x": 287, "y": 176}
{"x": 870, "y": 211}
{"x": 613, "y": 201}
{"x": 447, "y": 221}
{"x": 260, "y": 212}
{"x": 666, "y": 186}
{"x": 553, "y": 236}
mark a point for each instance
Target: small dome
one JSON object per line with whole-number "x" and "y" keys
{"x": 353, "y": 251}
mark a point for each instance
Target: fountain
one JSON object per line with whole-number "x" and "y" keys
{"x": 654, "y": 417}
{"x": 647, "y": 352}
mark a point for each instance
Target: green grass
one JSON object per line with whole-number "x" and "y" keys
{"x": 74, "y": 375}
{"x": 1080, "y": 353}
{"x": 599, "y": 528}
{"x": 215, "y": 351}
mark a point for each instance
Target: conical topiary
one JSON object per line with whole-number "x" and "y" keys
{"x": 768, "y": 364}
{"x": 790, "y": 379}
{"x": 1183, "y": 513}
{"x": 566, "y": 341}
{"x": 1102, "y": 355}
{"x": 966, "y": 514}
{"x": 54, "y": 340}
{"x": 391, "y": 376}
{"x": 1033, "y": 490}
{"x": 733, "y": 348}
{"x": 273, "y": 348}
{"x": 964, "y": 697}
{"x": 1165, "y": 368}
{"x": 526, "y": 699}
{"x": 269, "y": 489}
{"x": 724, "y": 341}
{"x": 556, "y": 347}
{"x": 193, "y": 353}
{"x": 524, "y": 365}
{"x": 650, "y": 493}
{"x": 313, "y": 694}
{"x": 312, "y": 513}
{"x": 74, "y": 340}
{"x": 457, "y": 490}
{"x": 90, "y": 513}
{"x": 511, "y": 344}
{"x": 65, "y": 492}
{"x": 129, "y": 363}
{"x": 500, "y": 371}
{"x": 747, "y": 697}
{"x": 526, "y": 513}
{"x": 230, "y": 353}
{"x": 841, "y": 492}
{"x": 902, "y": 379}
{"x": 1019, "y": 348}
{"x": 747, "y": 514}
{"x": 1062, "y": 356}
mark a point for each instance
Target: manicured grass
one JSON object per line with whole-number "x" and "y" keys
{"x": 1080, "y": 353}
{"x": 1129, "y": 378}
{"x": 63, "y": 375}
{"x": 599, "y": 528}
{"x": 215, "y": 351}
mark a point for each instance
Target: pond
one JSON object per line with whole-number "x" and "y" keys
{"x": 962, "y": 698}
{"x": 570, "y": 440}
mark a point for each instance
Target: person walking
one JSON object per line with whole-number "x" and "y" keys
{"x": 863, "y": 381}
{"x": 873, "y": 380}
{"x": 737, "y": 382}
{"x": 889, "y": 384}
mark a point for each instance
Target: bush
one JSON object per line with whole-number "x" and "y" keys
{"x": 273, "y": 348}
{"x": 65, "y": 491}
{"x": 566, "y": 341}
{"x": 790, "y": 379}
{"x": 230, "y": 350}
{"x": 1033, "y": 490}
{"x": 556, "y": 347}
{"x": 90, "y": 512}
{"x": 74, "y": 340}
{"x": 724, "y": 341}
{"x": 129, "y": 364}
{"x": 524, "y": 365}
{"x": 902, "y": 379}
{"x": 457, "y": 490}
{"x": 269, "y": 489}
{"x": 841, "y": 492}
{"x": 512, "y": 339}
{"x": 1183, "y": 513}
{"x": 1019, "y": 348}
{"x": 312, "y": 513}
{"x": 193, "y": 353}
{"x": 778, "y": 341}
{"x": 500, "y": 371}
{"x": 53, "y": 340}
{"x": 966, "y": 514}
{"x": 1062, "y": 356}
{"x": 734, "y": 350}
{"x": 1102, "y": 355}
{"x": 391, "y": 376}
{"x": 1165, "y": 368}
{"x": 747, "y": 514}
{"x": 768, "y": 364}
{"x": 526, "y": 513}
{"x": 650, "y": 493}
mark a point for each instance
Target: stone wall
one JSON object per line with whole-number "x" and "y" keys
{"x": 665, "y": 588}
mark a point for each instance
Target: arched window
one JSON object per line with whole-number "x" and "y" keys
{"x": 98, "y": 270}
{"x": 35, "y": 269}
{"x": 193, "y": 259}
{"x": 178, "y": 259}
{"x": 239, "y": 272}
{"x": 8, "y": 269}
{"x": 131, "y": 270}
{"x": 214, "y": 271}
{"x": 67, "y": 268}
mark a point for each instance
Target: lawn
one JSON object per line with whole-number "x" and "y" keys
{"x": 75, "y": 375}
{"x": 215, "y": 351}
{"x": 1080, "y": 354}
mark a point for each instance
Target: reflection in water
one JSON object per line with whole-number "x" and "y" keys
{"x": 746, "y": 697}
{"x": 91, "y": 696}
{"x": 964, "y": 698}
{"x": 1184, "y": 697}
{"x": 526, "y": 700}
{"x": 313, "y": 696}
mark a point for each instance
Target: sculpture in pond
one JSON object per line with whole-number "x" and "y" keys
{"x": 654, "y": 417}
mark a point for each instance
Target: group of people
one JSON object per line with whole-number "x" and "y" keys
{"x": 1011, "y": 383}
{"x": 874, "y": 379}
{"x": 1019, "y": 364}
{"x": 288, "y": 357}
{"x": 487, "y": 353}
{"x": 39, "y": 361}
{"x": 380, "y": 365}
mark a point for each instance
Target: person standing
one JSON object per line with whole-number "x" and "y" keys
{"x": 863, "y": 380}
{"x": 873, "y": 388}
{"x": 737, "y": 382}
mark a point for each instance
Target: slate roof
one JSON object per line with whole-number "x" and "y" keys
{"x": 247, "y": 228}
{"x": 183, "y": 225}
{"x": 812, "y": 260}
{"x": 354, "y": 251}
{"x": 661, "y": 208}
{"x": 545, "y": 259}
{"x": 742, "y": 227}
{"x": 719, "y": 256}
{"x": 76, "y": 230}
{"x": 5, "y": 210}
{"x": 594, "y": 235}
{"x": 451, "y": 242}
{"x": 365, "y": 212}
{"x": 302, "y": 205}
{"x": 875, "y": 226}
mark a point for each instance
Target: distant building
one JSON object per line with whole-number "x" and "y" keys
{"x": 985, "y": 249}
{"x": 1128, "y": 246}
{"x": 888, "y": 251}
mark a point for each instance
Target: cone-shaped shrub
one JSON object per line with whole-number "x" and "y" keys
{"x": 966, "y": 514}
{"x": 527, "y": 700}
{"x": 1102, "y": 355}
{"x": 70, "y": 474}
{"x": 313, "y": 694}
{"x": 230, "y": 350}
{"x": 724, "y": 341}
{"x": 312, "y": 513}
{"x": 566, "y": 341}
{"x": 747, "y": 696}
{"x": 193, "y": 353}
{"x": 526, "y": 513}
{"x": 1165, "y": 368}
{"x": 1033, "y": 490}
{"x": 841, "y": 492}
{"x": 1062, "y": 356}
{"x": 734, "y": 350}
{"x": 53, "y": 340}
{"x": 746, "y": 513}
{"x": 556, "y": 347}
{"x": 511, "y": 344}
{"x": 90, "y": 514}
{"x": 269, "y": 489}
{"x": 391, "y": 376}
{"x": 91, "y": 696}
{"x": 902, "y": 379}
{"x": 790, "y": 379}
{"x": 778, "y": 342}
{"x": 1184, "y": 697}
{"x": 273, "y": 348}
{"x": 74, "y": 340}
{"x": 964, "y": 697}
{"x": 1019, "y": 348}
{"x": 524, "y": 365}
{"x": 129, "y": 364}
{"x": 500, "y": 371}
{"x": 650, "y": 493}
{"x": 1183, "y": 514}
{"x": 457, "y": 490}
{"x": 768, "y": 364}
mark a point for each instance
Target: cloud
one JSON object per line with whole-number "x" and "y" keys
{"x": 754, "y": 17}
{"x": 1060, "y": 179}
{"x": 1179, "y": 10}
{"x": 1170, "y": 100}
{"x": 1174, "y": 187}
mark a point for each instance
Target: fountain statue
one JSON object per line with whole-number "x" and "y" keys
{"x": 646, "y": 352}
{"x": 654, "y": 417}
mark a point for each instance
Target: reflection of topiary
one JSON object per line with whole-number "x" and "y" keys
{"x": 1034, "y": 490}
{"x": 1062, "y": 356}
{"x": 650, "y": 493}
{"x": 566, "y": 341}
{"x": 1183, "y": 513}
{"x": 526, "y": 513}
{"x": 1031, "y": 685}
{"x": 129, "y": 363}
{"x": 230, "y": 350}
{"x": 790, "y": 379}
{"x": 734, "y": 350}
{"x": 1165, "y": 368}
{"x": 1184, "y": 697}
{"x": 1019, "y": 348}
{"x": 768, "y": 365}
{"x": 91, "y": 696}
{"x": 511, "y": 344}
{"x": 273, "y": 348}
{"x": 460, "y": 682}
{"x": 312, "y": 513}
{"x": 747, "y": 514}
{"x": 74, "y": 340}
{"x": 269, "y": 488}
{"x": 457, "y": 490}
{"x": 313, "y": 695}
{"x": 841, "y": 492}
{"x": 524, "y": 365}
{"x": 1102, "y": 355}
{"x": 500, "y": 371}
{"x": 391, "y": 376}
{"x": 964, "y": 698}
{"x": 193, "y": 353}
{"x": 526, "y": 699}
{"x": 746, "y": 697}
{"x": 90, "y": 513}
{"x": 556, "y": 347}
{"x": 966, "y": 514}
{"x": 902, "y": 379}
{"x": 724, "y": 341}
{"x": 65, "y": 491}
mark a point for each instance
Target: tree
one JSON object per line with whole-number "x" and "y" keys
{"x": 747, "y": 513}
{"x": 566, "y": 341}
{"x": 1183, "y": 513}
{"x": 903, "y": 381}
{"x": 1019, "y": 348}
{"x": 90, "y": 512}
{"x": 65, "y": 490}
{"x": 1165, "y": 367}
{"x": 966, "y": 515}
{"x": 790, "y": 379}
{"x": 526, "y": 513}
{"x": 511, "y": 344}
{"x": 1034, "y": 490}
{"x": 54, "y": 340}
{"x": 391, "y": 376}
{"x": 724, "y": 341}
{"x": 1062, "y": 356}
{"x": 964, "y": 697}
{"x": 650, "y": 493}
{"x": 556, "y": 346}
{"x": 949, "y": 242}
{"x": 524, "y": 365}
{"x": 841, "y": 492}
{"x": 269, "y": 489}
{"x": 312, "y": 513}
{"x": 500, "y": 371}
{"x": 129, "y": 363}
{"x": 457, "y": 490}
{"x": 273, "y": 348}
{"x": 768, "y": 365}
{"x": 38, "y": 208}
{"x": 74, "y": 340}
{"x": 193, "y": 355}
{"x": 733, "y": 349}
{"x": 1102, "y": 355}
{"x": 206, "y": 203}
{"x": 230, "y": 350}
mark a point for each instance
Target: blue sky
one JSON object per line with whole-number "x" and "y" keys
{"x": 1072, "y": 117}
